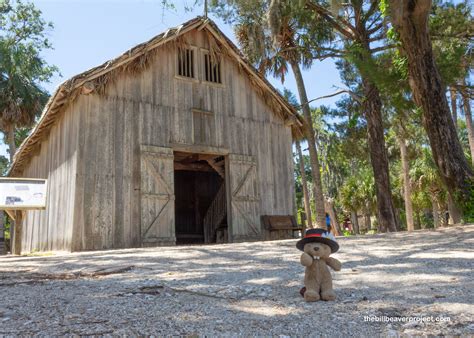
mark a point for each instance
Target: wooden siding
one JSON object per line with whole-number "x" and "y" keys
{"x": 153, "y": 108}
{"x": 51, "y": 229}
{"x": 108, "y": 175}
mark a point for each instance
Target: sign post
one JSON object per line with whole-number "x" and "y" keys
{"x": 17, "y": 195}
{"x": 2, "y": 234}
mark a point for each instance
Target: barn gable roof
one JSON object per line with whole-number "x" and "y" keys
{"x": 134, "y": 59}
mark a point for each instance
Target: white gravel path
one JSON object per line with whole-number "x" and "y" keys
{"x": 245, "y": 289}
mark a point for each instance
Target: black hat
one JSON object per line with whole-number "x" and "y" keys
{"x": 318, "y": 235}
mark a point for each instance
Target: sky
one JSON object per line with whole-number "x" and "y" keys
{"x": 89, "y": 32}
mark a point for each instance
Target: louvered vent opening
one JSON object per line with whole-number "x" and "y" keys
{"x": 212, "y": 69}
{"x": 186, "y": 62}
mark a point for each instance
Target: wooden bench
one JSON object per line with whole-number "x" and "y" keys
{"x": 280, "y": 222}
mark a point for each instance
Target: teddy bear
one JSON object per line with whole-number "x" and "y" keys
{"x": 317, "y": 245}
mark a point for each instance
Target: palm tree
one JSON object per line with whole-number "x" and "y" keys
{"x": 426, "y": 179}
{"x": 406, "y": 181}
{"x": 290, "y": 97}
{"x": 466, "y": 100}
{"x": 361, "y": 32}
{"x": 304, "y": 183}
{"x": 22, "y": 39}
{"x": 358, "y": 193}
{"x": 21, "y": 99}
{"x": 276, "y": 56}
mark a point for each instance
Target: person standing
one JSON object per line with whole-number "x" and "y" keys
{"x": 328, "y": 222}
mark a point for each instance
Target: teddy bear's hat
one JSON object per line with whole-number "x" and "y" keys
{"x": 318, "y": 235}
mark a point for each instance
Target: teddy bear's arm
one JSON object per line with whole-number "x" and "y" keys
{"x": 306, "y": 260}
{"x": 334, "y": 263}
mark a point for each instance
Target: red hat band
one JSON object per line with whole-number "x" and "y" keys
{"x": 312, "y": 235}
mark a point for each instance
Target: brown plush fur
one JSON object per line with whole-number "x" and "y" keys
{"x": 317, "y": 278}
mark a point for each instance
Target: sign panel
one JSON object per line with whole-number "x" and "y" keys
{"x": 22, "y": 194}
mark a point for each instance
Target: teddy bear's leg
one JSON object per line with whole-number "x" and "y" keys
{"x": 327, "y": 293}
{"x": 312, "y": 290}
{"x": 311, "y": 296}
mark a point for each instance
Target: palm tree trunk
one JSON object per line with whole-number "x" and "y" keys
{"x": 355, "y": 222}
{"x": 313, "y": 152}
{"x": 304, "y": 182}
{"x": 368, "y": 223}
{"x": 410, "y": 19}
{"x": 331, "y": 210}
{"x": 454, "y": 107}
{"x": 454, "y": 212}
{"x": 418, "y": 220}
{"x": 434, "y": 204}
{"x": 406, "y": 184}
{"x": 468, "y": 115}
{"x": 11, "y": 142}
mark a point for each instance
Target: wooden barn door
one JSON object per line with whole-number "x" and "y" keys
{"x": 245, "y": 198}
{"x": 157, "y": 196}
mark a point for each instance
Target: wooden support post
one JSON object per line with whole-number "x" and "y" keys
{"x": 2, "y": 234}
{"x": 19, "y": 216}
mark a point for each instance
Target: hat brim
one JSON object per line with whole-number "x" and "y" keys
{"x": 332, "y": 244}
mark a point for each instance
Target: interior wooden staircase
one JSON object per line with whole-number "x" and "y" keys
{"x": 215, "y": 215}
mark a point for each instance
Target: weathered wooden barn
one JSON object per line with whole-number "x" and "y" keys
{"x": 178, "y": 140}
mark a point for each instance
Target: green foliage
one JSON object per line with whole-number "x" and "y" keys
{"x": 467, "y": 205}
{"x": 23, "y": 37}
{"x": 3, "y": 165}
{"x": 273, "y": 37}
{"x": 451, "y": 28}
{"x": 358, "y": 190}
{"x": 384, "y": 8}
{"x": 292, "y": 31}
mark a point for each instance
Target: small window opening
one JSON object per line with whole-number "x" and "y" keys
{"x": 212, "y": 69}
{"x": 186, "y": 62}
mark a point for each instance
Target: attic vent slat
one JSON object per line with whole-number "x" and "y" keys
{"x": 212, "y": 69}
{"x": 186, "y": 62}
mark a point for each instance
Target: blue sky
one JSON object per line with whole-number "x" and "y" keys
{"x": 88, "y": 32}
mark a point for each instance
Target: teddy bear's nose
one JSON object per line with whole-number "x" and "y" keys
{"x": 316, "y": 248}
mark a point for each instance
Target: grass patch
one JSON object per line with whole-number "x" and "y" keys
{"x": 39, "y": 254}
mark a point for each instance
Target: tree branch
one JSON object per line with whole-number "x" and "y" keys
{"x": 329, "y": 55}
{"x": 377, "y": 27}
{"x": 348, "y": 33}
{"x": 378, "y": 37}
{"x": 351, "y": 93}
{"x": 379, "y": 49}
{"x": 373, "y": 7}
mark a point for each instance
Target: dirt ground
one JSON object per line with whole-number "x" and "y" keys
{"x": 246, "y": 289}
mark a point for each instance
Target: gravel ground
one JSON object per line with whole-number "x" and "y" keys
{"x": 245, "y": 289}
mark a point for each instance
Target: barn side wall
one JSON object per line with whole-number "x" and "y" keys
{"x": 108, "y": 175}
{"x": 56, "y": 160}
{"x": 153, "y": 107}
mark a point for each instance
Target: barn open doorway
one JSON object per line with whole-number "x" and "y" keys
{"x": 200, "y": 198}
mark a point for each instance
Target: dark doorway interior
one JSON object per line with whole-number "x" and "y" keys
{"x": 199, "y": 189}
